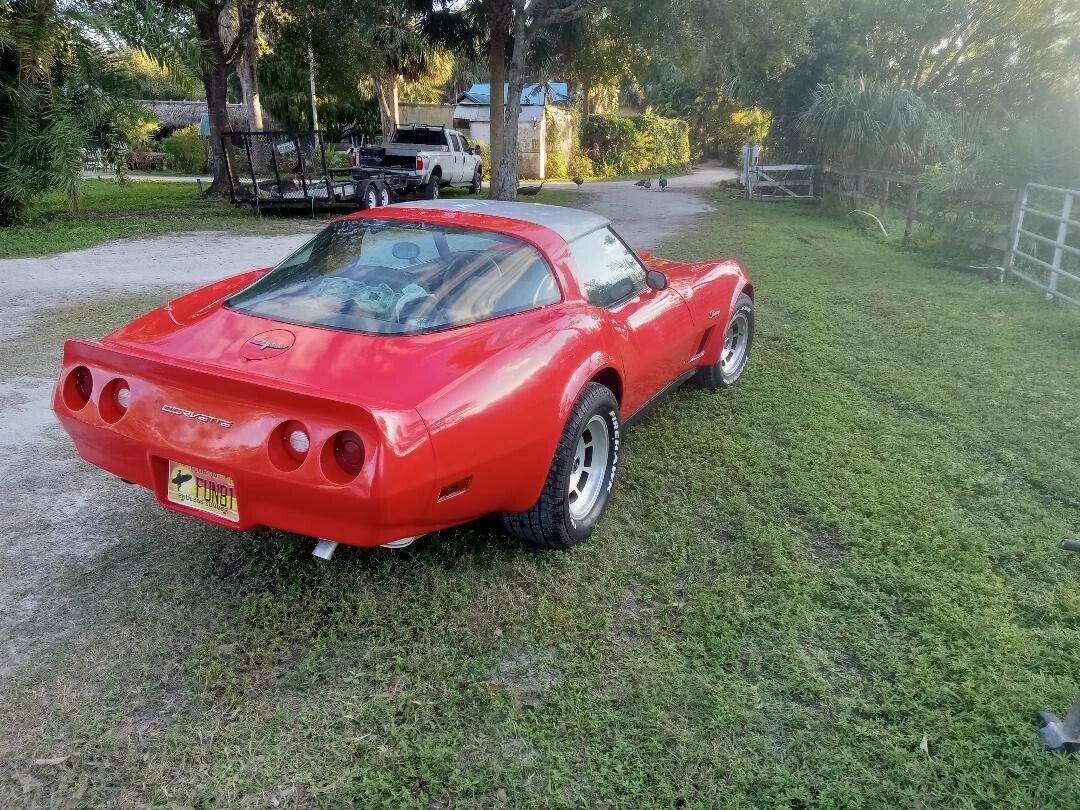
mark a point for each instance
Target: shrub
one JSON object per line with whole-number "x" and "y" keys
{"x": 636, "y": 144}
{"x": 581, "y": 165}
{"x": 186, "y": 149}
{"x": 555, "y": 166}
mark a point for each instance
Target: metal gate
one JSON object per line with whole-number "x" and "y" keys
{"x": 1046, "y": 241}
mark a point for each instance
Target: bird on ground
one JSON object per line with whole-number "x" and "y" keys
{"x": 663, "y": 183}
{"x": 648, "y": 183}
{"x": 530, "y": 191}
{"x": 640, "y": 183}
{"x": 578, "y": 180}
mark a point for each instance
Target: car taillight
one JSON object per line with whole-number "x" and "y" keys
{"x": 419, "y": 163}
{"x": 297, "y": 441}
{"x": 122, "y": 395}
{"x": 115, "y": 400}
{"x": 349, "y": 452}
{"x": 78, "y": 386}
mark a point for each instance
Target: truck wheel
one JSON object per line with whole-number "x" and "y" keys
{"x": 368, "y": 196}
{"x": 431, "y": 190}
{"x": 384, "y": 194}
{"x": 579, "y": 482}
{"x": 477, "y": 181}
{"x": 738, "y": 339}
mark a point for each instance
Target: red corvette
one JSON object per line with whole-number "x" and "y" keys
{"x": 409, "y": 369}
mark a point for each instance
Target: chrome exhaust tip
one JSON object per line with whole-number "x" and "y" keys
{"x": 325, "y": 549}
{"x": 404, "y": 542}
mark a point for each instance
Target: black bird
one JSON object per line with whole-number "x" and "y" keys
{"x": 648, "y": 183}
{"x": 180, "y": 478}
{"x": 578, "y": 180}
{"x": 663, "y": 183}
{"x": 530, "y": 191}
{"x": 640, "y": 183}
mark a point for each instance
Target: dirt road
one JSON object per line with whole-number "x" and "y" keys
{"x": 63, "y": 519}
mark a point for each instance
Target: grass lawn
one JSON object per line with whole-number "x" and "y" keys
{"x": 798, "y": 583}
{"x": 139, "y": 208}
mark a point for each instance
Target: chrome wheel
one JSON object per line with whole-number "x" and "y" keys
{"x": 736, "y": 342}
{"x": 590, "y": 467}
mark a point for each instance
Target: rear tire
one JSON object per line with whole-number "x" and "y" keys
{"x": 477, "y": 183}
{"x": 738, "y": 340}
{"x": 384, "y": 194}
{"x": 431, "y": 189}
{"x": 368, "y": 196}
{"x": 579, "y": 482}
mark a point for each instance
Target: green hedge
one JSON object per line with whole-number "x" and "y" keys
{"x": 636, "y": 144}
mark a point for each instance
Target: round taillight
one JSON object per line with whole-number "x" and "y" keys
{"x": 115, "y": 400}
{"x": 349, "y": 452}
{"x": 78, "y": 386}
{"x": 294, "y": 437}
{"x": 299, "y": 441}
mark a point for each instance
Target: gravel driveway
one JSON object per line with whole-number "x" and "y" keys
{"x": 61, "y": 516}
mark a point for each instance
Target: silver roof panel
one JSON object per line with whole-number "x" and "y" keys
{"x": 569, "y": 223}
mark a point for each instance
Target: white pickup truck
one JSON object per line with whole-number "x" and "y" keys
{"x": 426, "y": 158}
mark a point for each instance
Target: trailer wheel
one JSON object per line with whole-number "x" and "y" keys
{"x": 431, "y": 189}
{"x": 384, "y": 194}
{"x": 368, "y": 195}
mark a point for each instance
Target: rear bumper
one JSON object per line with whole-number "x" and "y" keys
{"x": 391, "y": 498}
{"x": 291, "y": 502}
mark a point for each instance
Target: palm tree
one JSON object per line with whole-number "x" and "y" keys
{"x": 60, "y": 94}
{"x": 863, "y": 124}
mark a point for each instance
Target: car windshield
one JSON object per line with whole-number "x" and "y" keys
{"x": 391, "y": 277}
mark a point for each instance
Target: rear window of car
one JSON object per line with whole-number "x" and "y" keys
{"x": 420, "y": 135}
{"x": 390, "y": 277}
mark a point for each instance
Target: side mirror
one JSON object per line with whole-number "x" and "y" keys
{"x": 656, "y": 280}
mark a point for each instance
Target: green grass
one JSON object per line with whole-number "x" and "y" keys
{"x": 797, "y": 583}
{"x": 139, "y": 208}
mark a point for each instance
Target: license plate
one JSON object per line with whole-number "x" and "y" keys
{"x": 204, "y": 490}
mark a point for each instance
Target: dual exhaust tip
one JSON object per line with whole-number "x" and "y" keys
{"x": 325, "y": 549}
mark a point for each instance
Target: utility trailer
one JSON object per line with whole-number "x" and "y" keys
{"x": 275, "y": 170}
{"x": 279, "y": 169}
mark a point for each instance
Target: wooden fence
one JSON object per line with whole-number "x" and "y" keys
{"x": 992, "y": 215}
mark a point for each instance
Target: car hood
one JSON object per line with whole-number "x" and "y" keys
{"x": 400, "y": 371}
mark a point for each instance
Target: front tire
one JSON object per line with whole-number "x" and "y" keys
{"x": 738, "y": 340}
{"x": 579, "y": 482}
{"x": 369, "y": 197}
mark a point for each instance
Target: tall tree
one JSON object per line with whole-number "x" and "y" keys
{"x": 208, "y": 35}
{"x": 526, "y": 21}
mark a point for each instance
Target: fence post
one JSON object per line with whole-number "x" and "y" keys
{"x": 860, "y": 189}
{"x": 1062, "y": 235}
{"x": 1014, "y": 231}
{"x": 885, "y": 199}
{"x": 912, "y": 201}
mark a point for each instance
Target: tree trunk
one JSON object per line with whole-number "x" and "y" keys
{"x": 215, "y": 83}
{"x": 386, "y": 87}
{"x": 497, "y": 69}
{"x": 249, "y": 81}
{"x": 505, "y": 166}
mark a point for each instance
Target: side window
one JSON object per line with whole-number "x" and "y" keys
{"x": 606, "y": 269}
{"x": 455, "y": 143}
